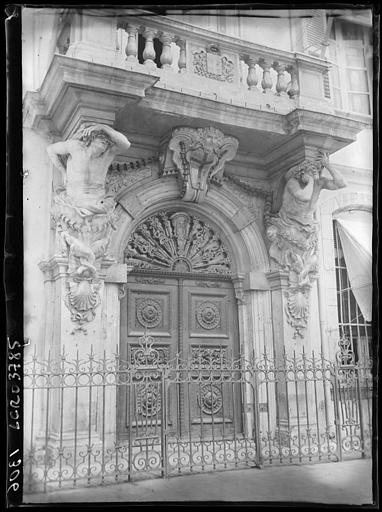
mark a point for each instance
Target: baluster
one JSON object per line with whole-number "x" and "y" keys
{"x": 281, "y": 85}
{"x": 149, "y": 52}
{"x": 266, "y": 82}
{"x": 294, "y": 89}
{"x": 131, "y": 47}
{"x": 182, "y": 63}
{"x": 252, "y": 78}
{"x": 166, "y": 56}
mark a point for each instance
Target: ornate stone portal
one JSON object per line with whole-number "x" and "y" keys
{"x": 198, "y": 157}
{"x": 83, "y": 212}
{"x": 177, "y": 242}
{"x": 293, "y": 233}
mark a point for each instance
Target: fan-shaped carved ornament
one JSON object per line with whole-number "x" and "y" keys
{"x": 177, "y": 242}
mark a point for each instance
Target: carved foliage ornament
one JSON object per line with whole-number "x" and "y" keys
{"x": 122, "y": 175}
{"x": 177, "y": 242}
{"x": 199, "y": 156}
{"x": 203, "y": 356}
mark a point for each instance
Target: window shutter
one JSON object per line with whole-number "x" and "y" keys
{"x": 314, "y": 31}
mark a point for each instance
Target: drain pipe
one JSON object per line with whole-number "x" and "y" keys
{"x": 323, "y": 347}
{"x": 321, "y": 319}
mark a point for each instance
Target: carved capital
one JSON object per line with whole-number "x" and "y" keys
{"x": 166, "y": 38}
{"x": 181, "y": 43}
{"x": 199, "y": 156}
{"x": 131, "y": 29}
{"x": 54, "y": 268}
{"x": 240, "y": 294}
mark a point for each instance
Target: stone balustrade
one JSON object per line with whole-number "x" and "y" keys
{"x": 211, "y": 59}
{"x": 163, "y": 46}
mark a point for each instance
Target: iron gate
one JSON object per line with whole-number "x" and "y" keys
{"x": 228, "y": 414}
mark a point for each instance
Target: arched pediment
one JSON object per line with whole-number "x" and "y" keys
{"x": 235, "y": 224}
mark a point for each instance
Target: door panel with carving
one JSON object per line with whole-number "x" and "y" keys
{"x": 210, "y": 339}
{"x": 150, "y": 306}
{"x": 193, "y": 316}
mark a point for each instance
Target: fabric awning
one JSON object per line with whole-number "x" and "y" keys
{"x": 355, "y": 231}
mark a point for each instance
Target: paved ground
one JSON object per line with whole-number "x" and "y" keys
{"x": 348, "y": 482}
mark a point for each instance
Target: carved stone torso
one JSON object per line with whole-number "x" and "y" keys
{"x": 297, "y": 201}
{"x": 86, "y": 172}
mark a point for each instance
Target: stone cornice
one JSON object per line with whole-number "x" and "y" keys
{"x": 344, "y": 127}
{"x": 184, "y": 104}
{"x": 54, "y": 268}
{"x": 74, "y": 83}
{"x": 308, "y": 132}
{"x": 277, "y": 280}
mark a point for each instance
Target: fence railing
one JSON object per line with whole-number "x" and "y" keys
{"x": 98, "y": 420}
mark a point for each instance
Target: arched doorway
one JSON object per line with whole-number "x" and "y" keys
{"x": 181, "y": 294}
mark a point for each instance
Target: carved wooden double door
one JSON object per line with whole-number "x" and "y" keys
{"x": 195, "y": 317}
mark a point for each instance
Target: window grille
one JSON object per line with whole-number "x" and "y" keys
{"x": 351, "y": 322}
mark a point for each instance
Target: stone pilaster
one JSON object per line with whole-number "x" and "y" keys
{"x": 282, "y": 331}
{"x": 84, "y": 347}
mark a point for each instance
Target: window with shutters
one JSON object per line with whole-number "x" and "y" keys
{"x": 351, "y": 322}
{"x": 350, "y": 51}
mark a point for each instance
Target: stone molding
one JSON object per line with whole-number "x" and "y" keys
{"x": 246, "y": 243}
{"x": 85, "y": 89}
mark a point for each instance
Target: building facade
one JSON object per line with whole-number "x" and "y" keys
{"x": 226, "y": 215}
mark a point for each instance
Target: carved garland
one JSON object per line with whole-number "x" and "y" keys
{"x": 122, "y": 175}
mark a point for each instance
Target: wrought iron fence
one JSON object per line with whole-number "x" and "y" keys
{"x": 96, "y": 420}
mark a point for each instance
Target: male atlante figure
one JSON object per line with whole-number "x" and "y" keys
{"x": 89, "y": 155}
{"x": 295, "y": 228}
{"x": 303, "y": 188}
